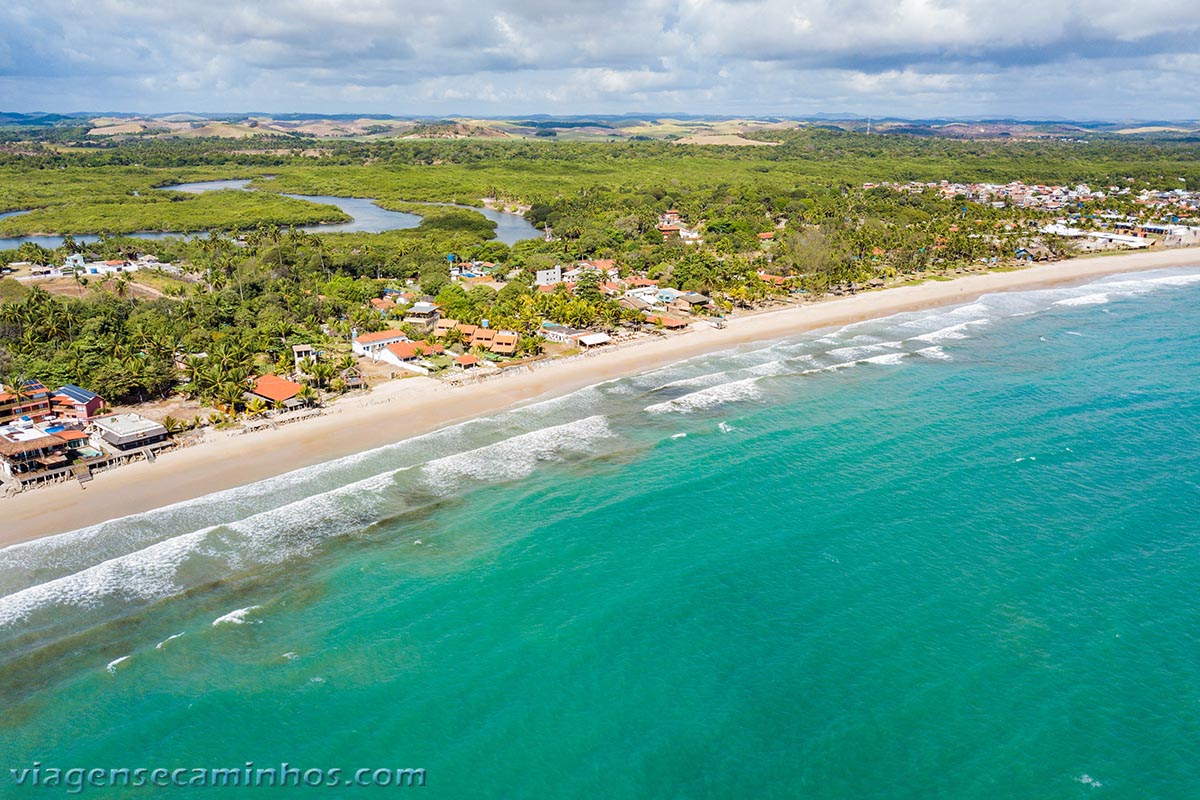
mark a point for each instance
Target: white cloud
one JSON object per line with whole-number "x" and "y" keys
{"x": 903, "y": 57}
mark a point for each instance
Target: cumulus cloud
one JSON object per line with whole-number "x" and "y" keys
{"x": 902, "y": 57}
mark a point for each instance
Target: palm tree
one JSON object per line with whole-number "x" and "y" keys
{"x": 231, "y": 395}
{"x": 319, "y": 244}
{"x": 321, "y": 372}
{"x": 255, "y": 406}
{"x": 309, "y": 396}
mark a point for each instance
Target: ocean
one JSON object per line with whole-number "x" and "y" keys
{"x": 947, "y": 554}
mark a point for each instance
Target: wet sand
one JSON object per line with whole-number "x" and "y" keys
{"x": 412, "y": 406}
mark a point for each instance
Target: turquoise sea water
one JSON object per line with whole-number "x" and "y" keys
{"x": 953, "y": 553}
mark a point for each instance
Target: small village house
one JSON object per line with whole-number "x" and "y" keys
{"x": 300, "y": 352}
{"x": 75, "y": 402}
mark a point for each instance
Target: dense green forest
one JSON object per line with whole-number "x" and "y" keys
{"x": 260, "y": 285}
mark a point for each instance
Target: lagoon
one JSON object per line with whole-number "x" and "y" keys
{"x": 368, "y": 217}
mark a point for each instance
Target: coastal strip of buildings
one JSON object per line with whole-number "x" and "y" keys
{"x": 48, "y": 436}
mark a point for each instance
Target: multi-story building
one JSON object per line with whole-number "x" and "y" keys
{"x": 29, "y": 400}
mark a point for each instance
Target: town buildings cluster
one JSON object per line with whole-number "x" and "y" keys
{"x": 65, "y": 433}
{"x": 1180, "y": 202}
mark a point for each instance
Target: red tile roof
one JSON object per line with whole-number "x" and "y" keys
{"x": 71, "y": 436}
{"x": 379, "y": 336}
{"x": 667, "y": 322}
{"x": 275, "y": 388}
{"x": 408, "y": 350}
{"x": 466, "y": 360}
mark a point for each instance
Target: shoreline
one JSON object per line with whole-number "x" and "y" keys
{"x": 401, "y": 409}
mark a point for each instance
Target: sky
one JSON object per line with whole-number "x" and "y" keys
{"x": 1099, "y": 59}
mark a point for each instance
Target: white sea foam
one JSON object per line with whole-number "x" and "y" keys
{"x": 679, "y": 436}
{"x": 886, "y": 358}
{"x": 725, "y": 427}
{"x": 280, "y": 533}
{"x": 163, "y": 643}
{"x": 146, "y": 574}
{"x": 950, "y": 332}
{"x": 299, "y": 527}
{"x": 935, "y": 352}
{"x": 517, "y": 457}
{"x": 237, "y": 617}
{"x": 971, "y": 309}
{"x": 857, "y": 352}
{"x": 1085, "y": 300}
{"x": 709, "y": 379}
{"x": 24, "y": 565}
{"x": 768, "y": 369}
{"x": 116, "y": 662}
{"x": 745, "y": 389}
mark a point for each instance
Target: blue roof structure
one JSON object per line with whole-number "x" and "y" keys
{"x": 78, "y": 394}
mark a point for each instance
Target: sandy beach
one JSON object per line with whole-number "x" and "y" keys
{"x": 401, "y": 409}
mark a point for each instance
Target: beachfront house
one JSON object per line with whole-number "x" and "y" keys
{"x": 668, "y": 323}
{"x": 410, "y": 355}
{"x": 31, "y": 400}
{"x": 666, "y": 295}
{"x": 124, "y": 432}
{"x": 562, "y": 334}
{"x": 276, "y": 390}
{"x": 505, "y": 343}
{"x": 74, "y": 402}
{"x": 369, "y": 344}
{"x": 26, "y": 448}
{"x": 483, "y": 338}
{"x": 692, "y": 301}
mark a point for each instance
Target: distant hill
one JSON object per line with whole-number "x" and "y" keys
{"x": 682, "y": 128}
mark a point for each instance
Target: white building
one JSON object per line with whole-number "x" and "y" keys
{"x": 548, "y": 277}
